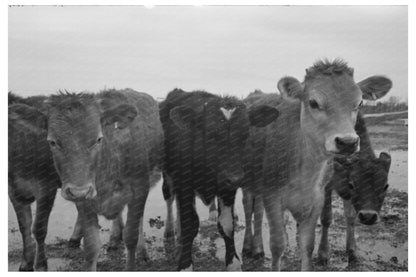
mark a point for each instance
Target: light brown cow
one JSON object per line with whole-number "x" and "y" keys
{"x": 290, "y": 161}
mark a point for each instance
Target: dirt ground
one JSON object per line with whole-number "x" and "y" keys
{"x": 382, "y": 247}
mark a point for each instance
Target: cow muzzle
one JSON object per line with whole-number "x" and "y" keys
{"x": 343, "y": 145}
{"x": 73, "y": 192}
{"x": 368, "y": 217}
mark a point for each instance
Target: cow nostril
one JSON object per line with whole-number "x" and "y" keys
{"x": 69, "y": 193}
{"x": 339, "y": 141}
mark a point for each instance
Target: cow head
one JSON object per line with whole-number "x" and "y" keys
{"x": 75, "y": 132}
{"x": 363, "y": 180}
{"x": 330, "y": 100}
{"x": 220, "y": 126}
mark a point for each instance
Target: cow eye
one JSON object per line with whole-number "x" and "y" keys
{"x": 313, "y": 104}
{"x": 386, "y": 187}
{"x": 53, "y": 144}
{"x": 351, "y": 185}
{"x": 359, "y": 105}
{"x": 98, "y": 142}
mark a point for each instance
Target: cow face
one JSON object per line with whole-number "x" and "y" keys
{"x": 220, "y": 128}
{"x": 74, "y": 125}
{"x": 330, "y": 101}
{"x": 75, "y": 137}
{"x": 364, "y": 181}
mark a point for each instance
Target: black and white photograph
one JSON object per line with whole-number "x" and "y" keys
{"x": 207, "y": 137}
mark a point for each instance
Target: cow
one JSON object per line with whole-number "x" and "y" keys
{"x": 361, "y": 181}
{"x": 28, "y": 181}
{"x": 204, "y": 142}
{"x": 31, "y": 176}
{"x": 105, "y": 148}
{"x": 290, "y": 162}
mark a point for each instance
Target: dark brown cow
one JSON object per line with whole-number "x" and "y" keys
{"x": 290, "y": 161}
{"x": 23, "y": 171}
{"x": 361, "y": 181}
{"x": 205, "y": 137}
{"x": 105, "y": 148}
{"x": 31, "y": 177}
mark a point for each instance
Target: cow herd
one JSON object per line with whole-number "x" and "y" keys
{"x": 286, "y": 151}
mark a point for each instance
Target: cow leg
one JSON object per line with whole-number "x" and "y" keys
{"x": 169, "y": 198}
{"x": 142, "y": 253}
{"x": 213, "y": 213}
{"x": 43, "y": 209}
{"x": 307, "y": 227}
{"x": 258, "y": 249}
{"x": 169, "y": 229}
{"x": 226, "y": 228}
{"x": 116, "y": 237}
{"x": 24, "y": 218}
{"x": 189, "y": 224}
{"x": 134, "y": 226}
{"x": 275, "y": 217}
{"x": 75, "y": 240}
{"x": 248, "y": 204}
{"x": 350, "y": 215}
{"x": 326, "y": 220}
{"x": 90, "y": 230}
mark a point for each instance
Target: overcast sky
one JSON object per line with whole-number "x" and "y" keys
{"x": 224, "y": 50}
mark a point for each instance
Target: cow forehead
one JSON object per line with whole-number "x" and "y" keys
{"x": 82, "y": 123}
{"x": 334, "y": 88}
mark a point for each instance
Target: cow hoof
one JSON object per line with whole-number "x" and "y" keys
{"x": 169, "y": 234}
{"x": 73, "y": 243}
{"x": 323, "y": 261}
{"x": 213, "y": 216}
{"x": 246, "y": 253}
{"x": 25, "y": 268}
{"x": 258, "y": 256}
{"x": 235, "y": 265}
{"x": 42, "y": 266}
{"x": 114, "y": 245}
{"x": 142, "y": 256}
{"x": 130, "y": 267}
{"x": 352, "y": 258}
{"x": 189, "y": 268}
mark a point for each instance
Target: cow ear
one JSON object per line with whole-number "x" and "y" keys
{"x": 385, "y": 159}
{"x": 375, "y": 87}
{"x": 182, "y": 117}
{"x": 28, "y": 117}
{"x": 120, "y": 116}
{"x": 290, "y": 87}
{"x": 262, "y": 116}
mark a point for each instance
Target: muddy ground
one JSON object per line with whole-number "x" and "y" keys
{"x": 383, "y": 247}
